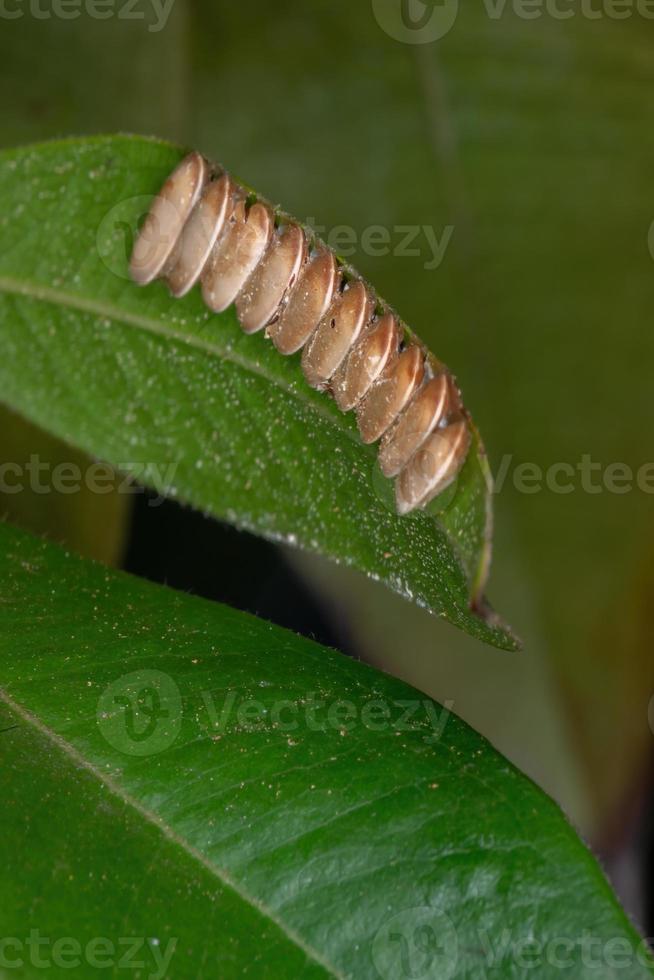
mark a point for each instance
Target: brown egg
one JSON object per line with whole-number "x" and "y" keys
{"x": 421, "y": 416}
{"x": 433, "y": 467}
{"x": 389, "y": 396}
{"x": 307, "y": 304}
{"x": 236, "y": 254}
{"x": 262, "y": 294}
{"x": 167, "y": 217}
{"x": 338, "y": 330}
{"x": 199, "y": 236}
{"x": 366, "y": 362}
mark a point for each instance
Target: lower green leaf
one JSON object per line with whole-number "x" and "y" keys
{"x": 279, "y": 810}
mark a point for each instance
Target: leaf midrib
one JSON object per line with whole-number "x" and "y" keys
{"x": 68, "y": 300}
{"x": 164, "y": 828}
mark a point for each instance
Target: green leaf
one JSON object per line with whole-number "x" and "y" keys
{"x": 278, "y": 809}
{"x": 188, "y": 403}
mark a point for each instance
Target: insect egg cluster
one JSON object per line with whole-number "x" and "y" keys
{"x": 205, "y": 228}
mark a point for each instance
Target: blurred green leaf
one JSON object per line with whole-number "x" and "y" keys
{"x": 270, "y": 816}
{"x": 93, "y": 73}
{"x": 186, "y": 402}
